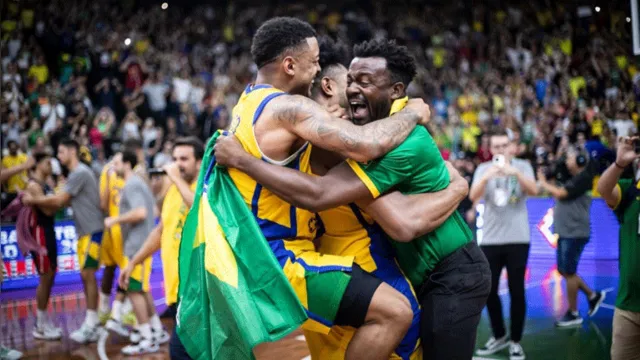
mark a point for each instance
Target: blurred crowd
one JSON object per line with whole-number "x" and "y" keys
{"x": 103, "y": 72}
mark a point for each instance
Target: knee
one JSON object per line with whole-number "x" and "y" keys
{"x": 397, "y": 311}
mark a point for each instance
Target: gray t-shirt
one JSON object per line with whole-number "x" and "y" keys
{"x": 506, "y": 220}
{"x": 135, "y": 194}
{"x": 82, "y": 185}
{"x": 571, "y": 216}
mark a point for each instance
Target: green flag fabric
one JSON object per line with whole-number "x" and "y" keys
{"x": 233, "y": 294}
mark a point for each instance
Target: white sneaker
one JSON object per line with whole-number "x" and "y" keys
{"x": 135, "y": 336}
{"x": 117, "y": 327}
{"x": 46, "y": 332}
{"x": 85, "y": 334}
{"x": 161, "y": 336}
{"x": 145, "y": 346}
{"x": 515, "y": 351}
{"x": 493, "y": 346}
{"x": 9, "y": 354}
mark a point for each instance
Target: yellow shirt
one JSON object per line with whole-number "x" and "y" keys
{"x": 174, "y": 213}
{"x": 116, "y": 184}
{"x": 16, "y": 182}
{"x": 469, "y": 117}
{"x": 41, "y": 72}
{"x": 575, "y": 84}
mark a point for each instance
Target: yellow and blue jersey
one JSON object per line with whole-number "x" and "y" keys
{"x": 289, "y": 230}
{"x": 346, "y": 230}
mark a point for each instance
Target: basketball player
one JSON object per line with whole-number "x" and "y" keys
{"x": 275, "y": 121}
{"x": 81, "y": 191}
{"x": 43, "y": 232}
{"x": 183, "y": 173}
{"x": 445, "y": 265}
{"x": 136, "y": 219}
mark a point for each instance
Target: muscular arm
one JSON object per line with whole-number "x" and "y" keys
{"x": 57, "y": 201}
{"x": 339, "y": 186}
{"x": 406, "y": 217}
{"x": 6, "y": 173}
{"x": 607, "y": 185}
{"x": 132, "y": 216}
{"x": 184, "y": 188}
{"x": 34, "y": 190}
{"x": 312, "y": 122}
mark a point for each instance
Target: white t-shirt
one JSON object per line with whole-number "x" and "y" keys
{"x": 182, "y": 88}
{"x": 156, "y": 93}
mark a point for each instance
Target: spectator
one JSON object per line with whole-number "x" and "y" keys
{"x": 15, "y": 158}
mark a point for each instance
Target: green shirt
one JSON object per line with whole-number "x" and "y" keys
{"x": 629, "y": 258}
{"x": 416, "y": 167}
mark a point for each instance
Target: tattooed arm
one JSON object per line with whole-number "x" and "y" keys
{"x": 312, "y": 122}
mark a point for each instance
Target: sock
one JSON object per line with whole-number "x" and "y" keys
{"x": 575, "y": 313}
{"x": 145, "y": 331}
{"x": 104, "y": 303}
{"x": 92, "y": 318}
{"x": 156, "y": 324}
{"x": 127, "y": 307}
{"x": 116, "y": 310}
{"x": 41, "y": 316}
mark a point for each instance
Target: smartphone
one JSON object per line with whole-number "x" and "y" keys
{"x": 153, "y": 172}
{"x": 499, "y": 160}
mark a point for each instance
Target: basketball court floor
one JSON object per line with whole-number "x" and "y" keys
{"x": 542, "y": 341}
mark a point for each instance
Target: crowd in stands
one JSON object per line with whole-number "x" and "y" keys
{"x": 102, "y": 72}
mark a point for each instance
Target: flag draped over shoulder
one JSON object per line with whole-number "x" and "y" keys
{"x": 233, "y": 294}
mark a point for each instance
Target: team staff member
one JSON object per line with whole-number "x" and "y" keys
{"x": 81, "y": 191}
{"x": 623, "y": 195}
{"x": 183, "y": 172}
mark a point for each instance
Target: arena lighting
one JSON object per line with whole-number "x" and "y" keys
{"x": 628, "y": 19}
{"x": 127, "y": 42}
{"x": 634, "y": 27}
{"x": 597, "y": 8}
{"x": 164, "y": 6}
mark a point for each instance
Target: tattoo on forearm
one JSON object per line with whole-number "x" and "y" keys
{"x": 378, "y": 137}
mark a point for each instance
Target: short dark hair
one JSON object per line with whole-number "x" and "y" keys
{"x": 132, "y": 144}
{"x": 498, "y": 132}
{"x": 129, "y": 156}
{"x": 71, "y": 144}
{"x": 278, "y": 35}
{"x": 195, "y": 143}
{"x": 332, "y": 54}
{"x": 39, "y": 156}
{"x": 12, "y": 141}
{"x": 400, "y": 63}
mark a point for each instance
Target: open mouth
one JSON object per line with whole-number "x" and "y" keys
{"x": 359, "y": 109}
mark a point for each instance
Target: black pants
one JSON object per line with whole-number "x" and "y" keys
{"x": 176, "y": 349}
{"x": 452, "y": 300}
{"x": 514, "y": 257}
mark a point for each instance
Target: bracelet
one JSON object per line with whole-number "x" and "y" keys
{"x": 619, "y": 166}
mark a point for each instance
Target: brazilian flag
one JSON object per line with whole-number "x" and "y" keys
{"x": 233, "y": 294}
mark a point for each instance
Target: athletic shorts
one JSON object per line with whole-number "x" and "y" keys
{"x": 140, "y": 276}
{"x": 112, "y": 250}
{"x": 49, "y": 262}
{"x": 568, "y": 254}
{"x": 331, "y": 288}
{"x": 88, "y": 250}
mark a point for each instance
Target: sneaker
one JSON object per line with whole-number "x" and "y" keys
{"x": 129, "y": 319}
{"x": 86, "y": 334}
{"x": 515, "y": 351}
{"x": 117, "y": 327}
{"x": 493, "y": 346}
{"x": 145, "y": 346}
{"x": 569, "y": 319}
{"x": 135, "y": 336}
{"x": 594, "y": 304}
{"x": 46, "y": 332}
{"x": 104, "y": 316}
{"x": 161, "y": 336}
{"x": 9, "y": 354}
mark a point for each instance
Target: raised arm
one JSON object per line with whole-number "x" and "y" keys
{"x": 34, "y": 190}
{"x": 310, "y": 121}
{"x": 339, "y": 186}
{"x": 6, "y": 173}
{"x": 407, "y": 217}
{"x": 609, "y": 179}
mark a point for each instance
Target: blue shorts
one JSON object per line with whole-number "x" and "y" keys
{"x": 568, "y": 254}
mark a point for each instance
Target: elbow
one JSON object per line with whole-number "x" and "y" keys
{"x": 311, "y": 204}
{"x": 363, "y": 157}
{"x": 404, "y": 231}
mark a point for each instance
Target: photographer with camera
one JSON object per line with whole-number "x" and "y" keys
{"x": 504, "y": 184}
{"x": 571, "y": 221}
{"x": 623, "y": 196}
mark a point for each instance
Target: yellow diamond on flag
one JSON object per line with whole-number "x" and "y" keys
{"x": 219, "y": 259}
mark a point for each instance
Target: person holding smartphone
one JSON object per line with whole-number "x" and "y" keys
{"x": 623, "y": 196}
{"x": 503, "y": 184}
